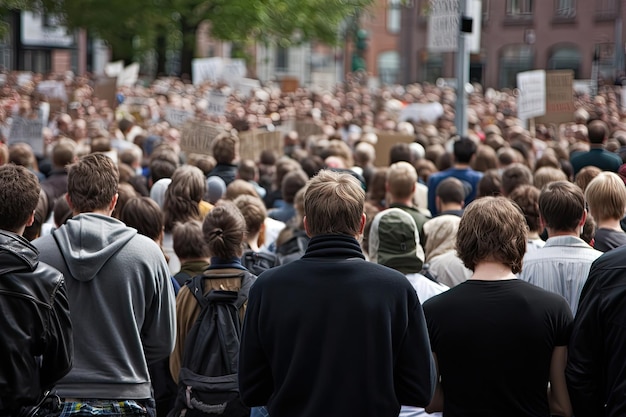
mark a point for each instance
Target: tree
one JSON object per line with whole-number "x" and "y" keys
{"x": 9, "y": 6}
{"x": 284, "y": 22}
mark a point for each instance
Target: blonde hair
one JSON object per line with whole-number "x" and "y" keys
{"x": 333, "y": 204}
{"x": 401, "y": 179}
{"x": 606, "y": 196}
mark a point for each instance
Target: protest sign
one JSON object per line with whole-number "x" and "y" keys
{"x": 177, "y": 117}
{"x": 28, "y": 131}
{"x": 421, "y": 112}
{"x": 253, "y": 142}
{"x": 531, "y": 101}
{"x": 197, "y": 136}
{"x": 559, "y": 97}
{"x": 106, "y": 89}
{"x": 129, "y": 76}
{"x": 53, "y": 90}
{"x": 385, "y": 141}
{"x": 216, "y": 103}
{"x": 114, "y": 69}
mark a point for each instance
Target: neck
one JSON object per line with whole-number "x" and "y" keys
{"x": 492, "y": 271}
{"x": 450, "y": 207}
{"x": 555, "y": 233}
{"x": 609, "y": 224}
{"x": 404, "y": 201}
{"x": 533, "y": 235}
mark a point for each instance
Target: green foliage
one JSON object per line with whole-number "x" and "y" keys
{"x": 284, "y": 22}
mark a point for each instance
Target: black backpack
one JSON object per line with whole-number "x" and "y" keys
{"x": 257, "y": 262}
{"x": 207, "y": 383}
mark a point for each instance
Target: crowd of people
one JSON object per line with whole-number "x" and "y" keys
{"x": 471, "y": 275}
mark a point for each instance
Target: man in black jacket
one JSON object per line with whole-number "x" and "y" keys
{"x": 36, "y": 342}
{"x": 331, "y": 334}
{"x": 596, "y": 365}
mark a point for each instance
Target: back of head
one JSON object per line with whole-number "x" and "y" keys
{"x": 22, "y": 154}
{"x": 63, "y": 153}
{"x": 161, "y": 168}
{"x": 490, "y": 185}
{"x": 400, "y": 152}
{"x": 292, "y": 183}
{"x": 189, "y": 240}
{"x": 561, "y": 205}
{"x": 239, "y": 187}
{"x": 597, "y": 131}
{"x": 547, "y": 175}
{"x": 606, "y": 196}
{"x": 485, "y": 159}
{"x": 464, "y": 149}
{"x": 248, "y": 170}
{"x": 224, "y": 230}
{"x": 527, "y": 198}
{"x": 226, "y": 148}
{"x": 183, "y": 195}
{"x": 19, "y": 196}
{"x": 333, "y": 204}
{"x": 215, "y": 189}
{"x": 143, "y": 214}
{"x": 92, "y": 183}
{"x": 515, "y": 175}
{"x": 492, "y": 229}
{"x": 585, "y": 175}
{"x": 451, "y": 190}
{"x": 401, "y": 180}
{"x": 393, "y": 241}
{"x": 253, "y": 210}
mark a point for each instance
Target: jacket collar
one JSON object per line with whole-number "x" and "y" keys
{"x": 333, "y": 246}
{"x": 571, "y": 241}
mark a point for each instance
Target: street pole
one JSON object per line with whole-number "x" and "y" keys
{"x": 462, "y": 72}
{"x": 619, "y": 45}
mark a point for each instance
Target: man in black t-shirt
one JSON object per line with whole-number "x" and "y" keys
{"x": 498, "y": 341}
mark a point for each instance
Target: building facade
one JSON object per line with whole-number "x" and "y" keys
{"x": 521, "y": 35}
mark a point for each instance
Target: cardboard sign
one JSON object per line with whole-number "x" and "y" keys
{"x": 106, "y": 89}
{"x": 177, "y": 117}
{"x": 197, "y": 136}
{"x": 385, "y": 141}
{"x": 306, "y": 129}
{"x": 215, "y": 70}
{"x": 253, "y": 142}
{"x": 559, "y": 97}
{"x": 28, "y": 131}
{"x": 531, "y": 101}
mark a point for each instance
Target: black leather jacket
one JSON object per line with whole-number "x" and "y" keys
{"x": 36, "y": 342}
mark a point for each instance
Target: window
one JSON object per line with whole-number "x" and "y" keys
{"x": 565, "y": 8}
{"x": 282, "y": 59}
{"x": 606, "y": 9}
{"x": 388, "y": 67}
{"x": 393, "y": 16}
{"x": 514, "y": 59}
{"x": 519, "y": 7}
{"x": 565, "y": 57}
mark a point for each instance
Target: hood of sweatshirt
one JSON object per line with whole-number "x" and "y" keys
{"x": 89, "y": 240}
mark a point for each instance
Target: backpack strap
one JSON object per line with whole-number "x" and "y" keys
{"x": 196, "y": 286}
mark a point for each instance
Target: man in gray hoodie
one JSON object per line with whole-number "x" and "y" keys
{"x": 122, "y": 302}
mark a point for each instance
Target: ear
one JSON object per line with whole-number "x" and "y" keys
{"x": 31, "y": 219}
{"x": 542, "y": 222}
{"x": 306, "y": 226}
{"x": 113, "y": 203}
{"x": 69, "y": 203}
{"x": 362, "y": 227}
{"x": 583, "y": 219}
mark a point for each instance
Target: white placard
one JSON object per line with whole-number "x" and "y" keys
{"x": 206, "y": 70}
{"x": 421, "y": 112}
{"x": 177, "y": 117}
{"x": 443, "y": 25}
{"x": 216, "y": 105}
{"x": 53, "y": 90}
{"x": 114, "y": 69}
{"x": 129, "y": 76}
{"x": 28, "y": 131}
{"x": 24, "y": 78}
{"x": 531, "y": 101}
{"x": 233, "y": 72}
{"x": 247, "y": 85}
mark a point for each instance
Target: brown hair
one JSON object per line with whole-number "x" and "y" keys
{"x": 527, "y": 198}
{"x": 183, "y": 196}
{"x": 515, "y": 175}
{"x": 585, "y": 175}
{"x": 333, "y": 204}
{"x": 492, "y": 229}
{"x": 484, "y": 159}
{"x": 224, "y": 230}
{"x": 19, "y": 196}
{"x": 401, "y": 180}
{"x": 225, "y": 148}
{"x": 125, "y": 193}
{"x": 189, "y": 240}
{"x": 546, "y": 175}
{"x": 606, "y": 196}
{"x": 239, "y": 187}
{"x": 253, "y": 210}
{"x": 143, "y": 214}
{"x": 561, "y": 204}
{"x": 248, "y": 170}
{"x": 92, "y": 183}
